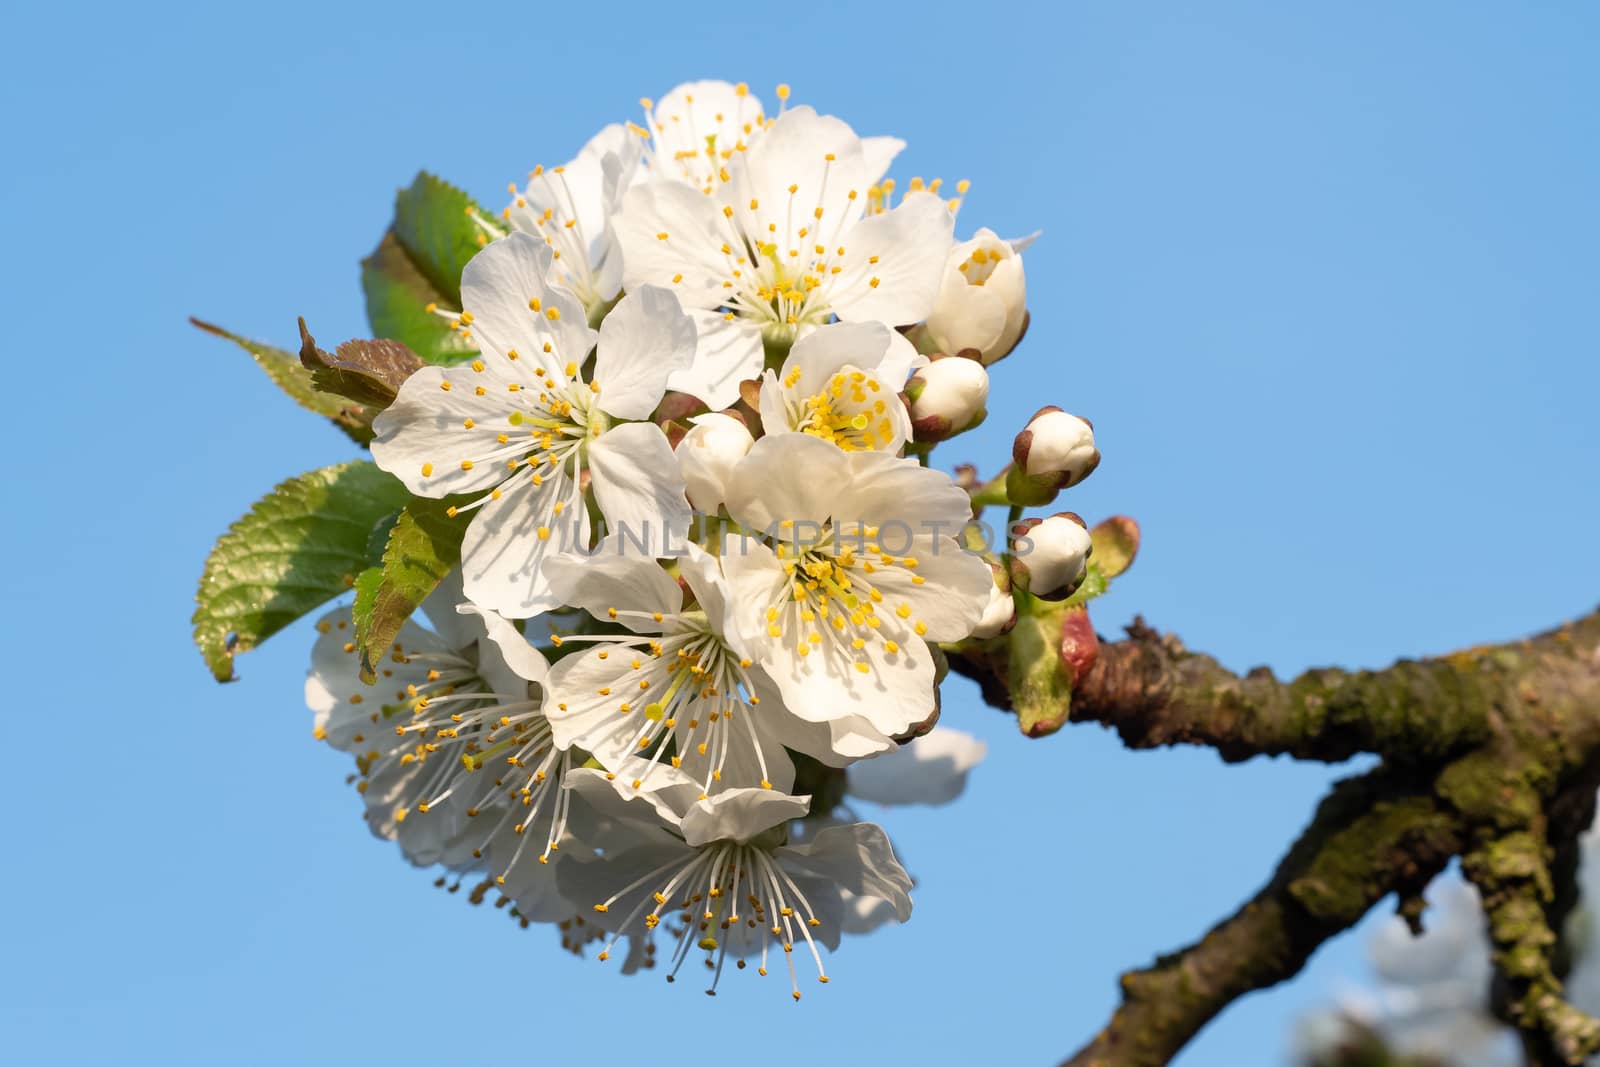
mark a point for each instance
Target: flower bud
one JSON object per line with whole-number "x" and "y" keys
{"x": 1050, "y": 557}
{"x": 1000, "y": 613}
{"x": 982, "y": 302}
{"x": 707, "y": 455}
{"x": 948, "y": 397}
{"x": 1053, "y": 452}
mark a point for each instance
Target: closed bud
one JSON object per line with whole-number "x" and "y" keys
{"x": 948, "y": 397}
{"x": 1000, "y": 613}
{"x": 707, "y": 455}
{"x": 1053, "y": 452}
{"x": 983, "y": 299}
{"x": 1050, "y": 557}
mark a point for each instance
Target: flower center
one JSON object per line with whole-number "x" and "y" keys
{"x": 977, "y": 267}
{"x": 831, "y": 602}
{"x": 849, "y": 411}
{"x": 732, "y": 898}
{"x": 451, "y": 726}
{"x": 687, "y": 688}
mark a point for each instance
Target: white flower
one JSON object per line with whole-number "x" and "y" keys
{"x": 697, "y": 127}
{"x": 707, "y": 455}
{"x": 841, "y": 383}
{"x": 520, "y": 425}
{"x": 454, "y": 753}
{"x": 928, "y": 770}
{"x": 720, "y": 863}
{"x": 983, "y": 299}
{"x": 681, "y": 677}
{"x": 570, "y": 208}
{"x": 864, "y": 568}
{"x": 781, "y": 244}
{"x": 1050, "y": 556}
{"x": 948, "y": 396}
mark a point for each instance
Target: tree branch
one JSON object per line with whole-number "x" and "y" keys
{"x": 1492, "y": 753}
{"x": 1372, "y": 835}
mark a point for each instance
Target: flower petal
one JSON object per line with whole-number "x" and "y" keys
{"x": 788, "y": 478}
{"x": 620, "y": 578}
{"x": 728, "y": 351}
{"x": 502, "y": 553}
{"x": 639, "y": 487}
{"x": 643, "y": 340}
{"x": 740, "y": 814}
{"x": 499, "y": 287}
{"x": 858, "y": 858}
{"x": 910, "y": 244}
{"x": 669, "y": 230}
{"x": 929, "y": 770}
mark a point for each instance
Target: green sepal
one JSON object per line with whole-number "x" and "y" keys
{"x": 299, "y": 546}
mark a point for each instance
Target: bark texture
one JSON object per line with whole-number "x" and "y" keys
{"x": 1491, "y": 754}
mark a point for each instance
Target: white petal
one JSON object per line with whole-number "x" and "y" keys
{"x": 639, "y": 487}
{"x": 661, "y": 806}
{"x": 821, "y": 158}
{"x": 901, "y": 495}
{"x": 696, "y": 123}
{"x": 823, "y": 352}
{"x": 693, "y": 227}
{"x": 928, "y": 770}
{"x": 513, "y": 651}
{"x": 423, "y": 437}
{"x": 703, "y": 572}
{"x": 953, "y": 593}
{"x": 859, "y": 859}
{"x": 346, "y": 709}
{"x": 502, "y": 553}
{"x": 755, "y": 580}
{"x": 497, "y": 287}
{"x": 728, "y": 351}
{"x": 643, "y": 340}
{"x": 740, "y": 814}
{"x": 616, "y": 576}
{"x": 910, "y": 243}
{"x": 788, "y": 477}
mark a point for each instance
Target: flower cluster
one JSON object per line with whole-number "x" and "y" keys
{"x": 705, "y": 571}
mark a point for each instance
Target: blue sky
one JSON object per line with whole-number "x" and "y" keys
{"x": 1324, "y": 279}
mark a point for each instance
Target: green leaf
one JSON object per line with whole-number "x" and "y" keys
{"x": 418, "y": 263}
{"x": 285, "y": 370}
{"x": 1116, "y": 542}
{"x": 433, "y": 223}
{"x": 423, "y": 547}
{"x": 368, "y": 372}
{"x": 397, "y": 300}
{"x": 299, "y": 546}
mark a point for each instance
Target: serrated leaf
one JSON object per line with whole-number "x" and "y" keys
{"x": 398, "y": 296}
{"x": 288, "y": 374}
{"x": 423, "y": 547}
{"x": 368, "y": 372}
{"x": 433, "y": 223}
{"x": 299, "y": 546}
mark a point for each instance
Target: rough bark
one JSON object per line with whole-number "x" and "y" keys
{"x": 1491, "y": 754}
